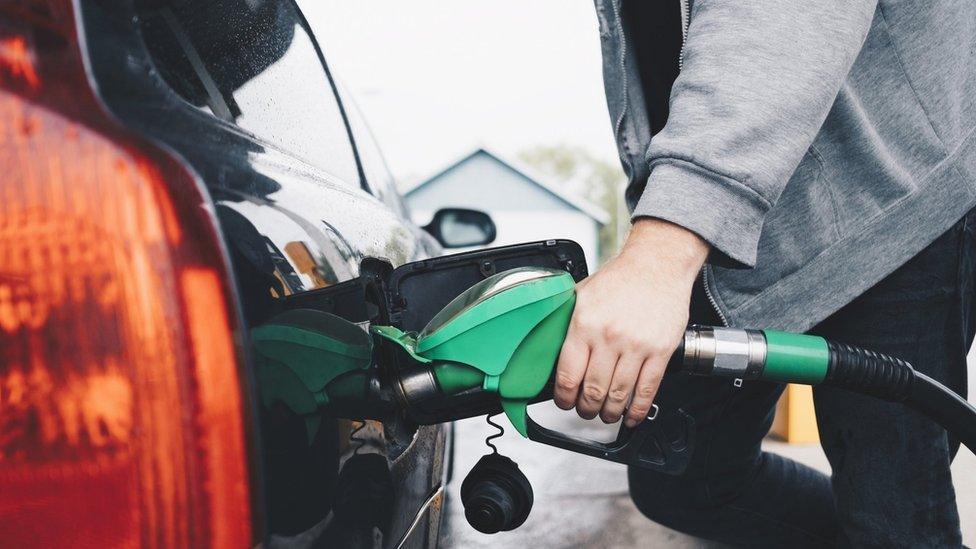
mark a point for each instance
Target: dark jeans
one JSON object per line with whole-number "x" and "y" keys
{"x": 891, "y": 485}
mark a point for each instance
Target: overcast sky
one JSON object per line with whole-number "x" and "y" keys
{"x": 436, "y": 79}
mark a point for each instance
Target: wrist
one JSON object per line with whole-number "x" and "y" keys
{"x": 657, "y": 243}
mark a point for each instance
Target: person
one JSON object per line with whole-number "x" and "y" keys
{"x": 802, "y": 166}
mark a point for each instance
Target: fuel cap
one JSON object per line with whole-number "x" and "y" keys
{"x": 496, "y": 495}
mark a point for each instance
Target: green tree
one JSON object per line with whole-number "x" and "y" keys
{"x": 595, "y": 179}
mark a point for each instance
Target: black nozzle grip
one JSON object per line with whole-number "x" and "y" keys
{"x": 662, "y": 443}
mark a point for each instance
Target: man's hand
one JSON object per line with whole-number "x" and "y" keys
{"x": 629, "y": 318}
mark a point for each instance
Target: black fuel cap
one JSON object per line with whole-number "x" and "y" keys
{"x": 496, "y": 495}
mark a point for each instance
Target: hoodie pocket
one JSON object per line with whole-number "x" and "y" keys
{"x": 801, "y": 225}
{"x": 877, "y": 143}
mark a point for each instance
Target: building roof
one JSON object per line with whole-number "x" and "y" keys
{"x": 533, "y": 176}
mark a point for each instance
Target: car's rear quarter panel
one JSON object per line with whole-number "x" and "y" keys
{"x": 263, "y": 195}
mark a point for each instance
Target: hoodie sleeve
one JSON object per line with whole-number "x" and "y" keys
{"x": 757, "y": 82}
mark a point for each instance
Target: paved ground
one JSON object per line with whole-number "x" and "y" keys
{"x": 583, "y": 502}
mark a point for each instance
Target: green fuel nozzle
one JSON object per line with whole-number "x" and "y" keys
{"x": 502, "y": 335}
{"x": 501, "y": 338}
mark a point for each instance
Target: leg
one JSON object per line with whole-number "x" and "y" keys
{"x": 891, "y": 477}
{"x": 734, "y": 492}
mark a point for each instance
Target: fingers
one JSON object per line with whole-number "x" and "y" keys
{"x": 570, "y": 370}
{"x": 647, "y": 384}
{"x": 596, "y": 382}
{"x": 621, "y": 387}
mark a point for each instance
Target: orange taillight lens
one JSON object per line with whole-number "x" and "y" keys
{"x": 121, "y": 415}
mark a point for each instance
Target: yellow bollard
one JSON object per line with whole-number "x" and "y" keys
{"x": 795, "y": 421}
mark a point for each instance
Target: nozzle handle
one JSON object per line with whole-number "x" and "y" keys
{"x": 662, "y": 442}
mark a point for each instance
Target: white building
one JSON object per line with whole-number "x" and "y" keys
{"x": 522, "y": 203}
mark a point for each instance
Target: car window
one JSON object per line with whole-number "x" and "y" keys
{"x": 378, "y": 177}
{"x": 252, "y": 63}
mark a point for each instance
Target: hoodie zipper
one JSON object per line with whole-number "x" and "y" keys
{"x": 685, "y": 23}
{"x": 711, "y": 297}
{"x": 623, "y": 65}
{"x": 737, "y": 382}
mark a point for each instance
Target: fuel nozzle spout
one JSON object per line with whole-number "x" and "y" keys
{"x": 425, "y": 383}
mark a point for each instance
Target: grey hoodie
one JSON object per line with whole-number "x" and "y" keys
{"x": 816, "y": 145}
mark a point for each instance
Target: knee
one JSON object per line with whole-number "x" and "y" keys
{"x": 677, "y": 502}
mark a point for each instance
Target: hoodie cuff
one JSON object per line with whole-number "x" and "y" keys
{"x": 721, "y": 210}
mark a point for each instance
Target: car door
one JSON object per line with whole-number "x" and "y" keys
{"x": 239, "y": 90}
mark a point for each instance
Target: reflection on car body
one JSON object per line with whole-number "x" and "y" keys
{"x": 240, "y": 91}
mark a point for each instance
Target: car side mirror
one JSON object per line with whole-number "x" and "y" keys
{"x": 461, "y": 228}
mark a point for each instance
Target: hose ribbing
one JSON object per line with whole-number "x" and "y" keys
{"x": 878, "y": 375}
{"x": 868, "y": 372}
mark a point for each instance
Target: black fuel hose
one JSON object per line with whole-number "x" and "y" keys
{"x": 945, "y": 407}
{"x": 892, "y": 379}
{"x": 812, "y": 360}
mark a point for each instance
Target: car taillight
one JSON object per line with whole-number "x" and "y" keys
{"x": 122, "y": 421}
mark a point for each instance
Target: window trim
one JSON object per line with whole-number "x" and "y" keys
{"x": 363, "y": 184}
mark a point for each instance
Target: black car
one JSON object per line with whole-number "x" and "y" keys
{"x": 173, "y": 171}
